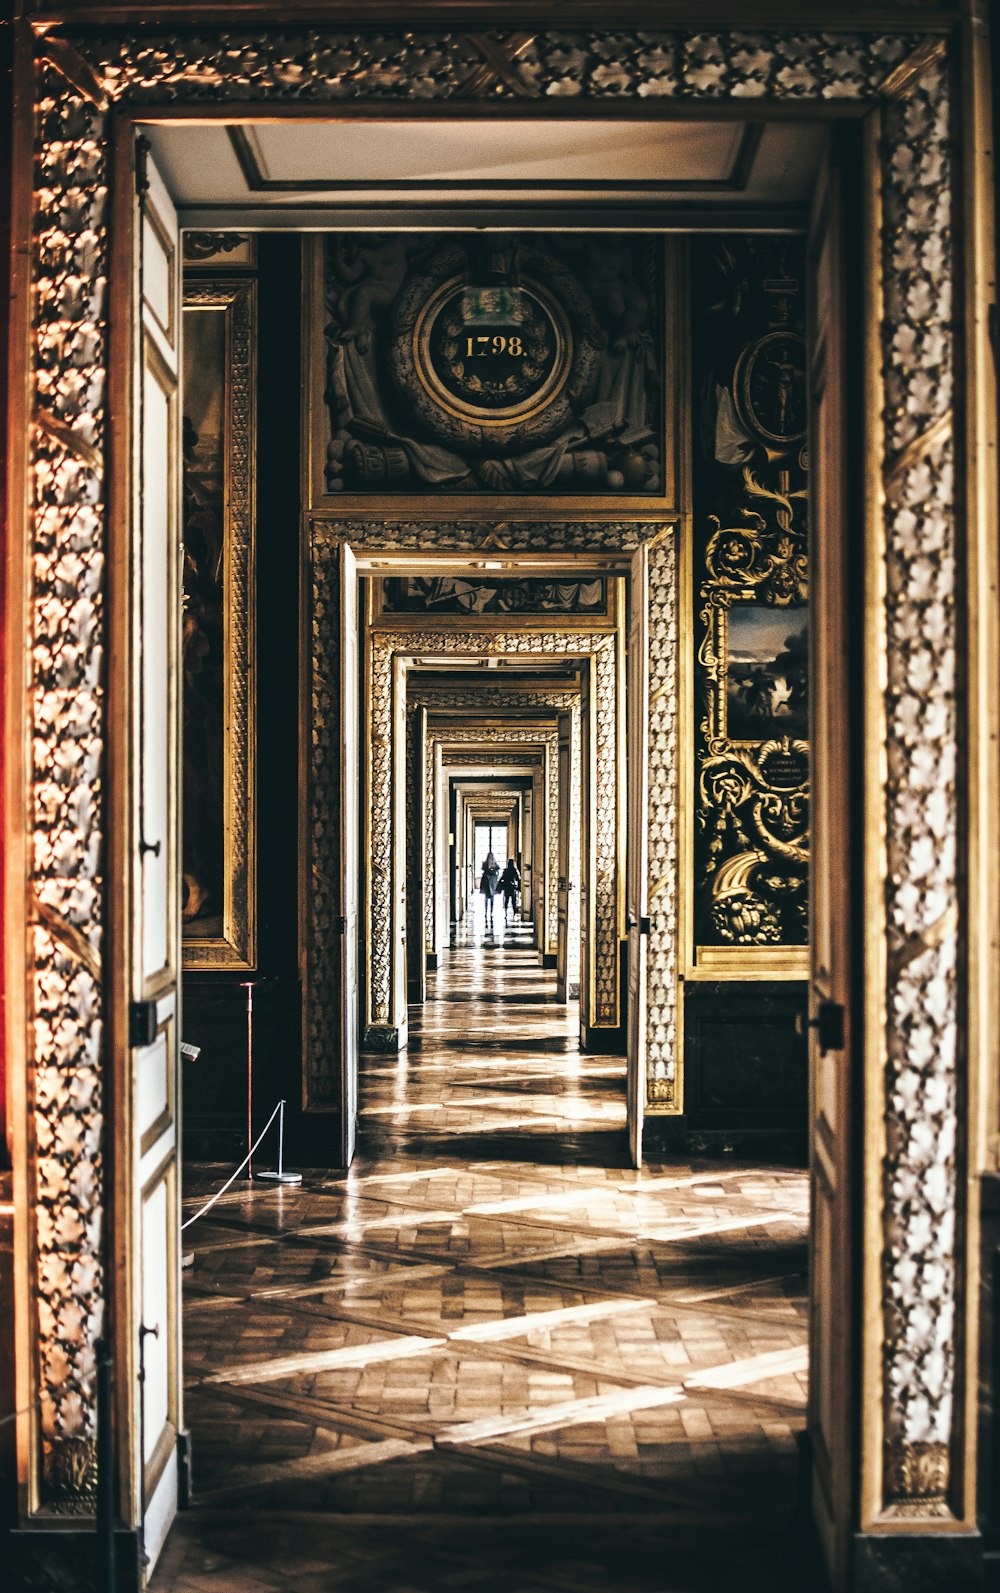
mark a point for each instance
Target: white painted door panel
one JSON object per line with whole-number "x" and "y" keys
{"x": 830, "y": 1094}
{"x": 637, "y": 764}
{"x": 350, "y": 776}
{"x": 154, "y": 830}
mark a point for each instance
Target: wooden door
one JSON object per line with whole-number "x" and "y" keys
{"x": 153, "y": 1354}
{"x": 417, "y": 865}
{"x": 588, "y": 858}
{"x": 563, "y": 866}
{"x": 350, "y": 782}
{"x": 637, "y": 906}
{"x": 441, "y": 929}
{"x": 836, "y": 592}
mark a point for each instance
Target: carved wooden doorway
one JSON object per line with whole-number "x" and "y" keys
{"x": 926, "y": 936}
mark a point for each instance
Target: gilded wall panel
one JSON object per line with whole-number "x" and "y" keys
{"x": 751, "y": 594}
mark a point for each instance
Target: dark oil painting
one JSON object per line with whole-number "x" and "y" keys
{"x": 203, "y": 622}
{"x": 766, "y": 673}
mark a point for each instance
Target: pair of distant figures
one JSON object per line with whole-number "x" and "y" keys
{"x": 492, "y": 880}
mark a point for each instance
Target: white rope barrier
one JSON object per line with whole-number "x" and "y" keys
{"x": 231, "y": 1180}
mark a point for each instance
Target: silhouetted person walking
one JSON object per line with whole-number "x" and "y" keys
{"x": 510, "y": 884}
{"x": 488, "y": 888}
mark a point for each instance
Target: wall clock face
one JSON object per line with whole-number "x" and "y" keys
{"x": 492, "y": 354}
{"x": 770, "y": 388}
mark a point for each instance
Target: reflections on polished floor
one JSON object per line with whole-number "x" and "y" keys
{"x": 492, "y": 1357}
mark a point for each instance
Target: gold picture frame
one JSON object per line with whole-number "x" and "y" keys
{"x": 219, "y": 567}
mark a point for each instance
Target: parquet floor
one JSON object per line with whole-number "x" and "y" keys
{"x": 492, "y": 1358}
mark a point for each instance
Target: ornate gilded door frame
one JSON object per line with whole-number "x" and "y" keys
{"x": 483, "y": 702}
{"x": 389, "y": 655}
{"x": 525, "y": 547}
{"x": 532, "y": 807}
{"x": 531, "y": 745}
{"x": 930, "y": 921}
{"x": 450, "y": 739}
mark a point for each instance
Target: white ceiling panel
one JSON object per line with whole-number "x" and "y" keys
{"x": 311, "y": 172}
{"x": 300, "y": 156}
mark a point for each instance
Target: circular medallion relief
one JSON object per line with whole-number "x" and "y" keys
{"x": 770, "y": 388}
{"x": 494, "y": 355}
{"x": 493, "y": 367}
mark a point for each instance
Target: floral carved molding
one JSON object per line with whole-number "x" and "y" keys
{"x": 77, "y": 86}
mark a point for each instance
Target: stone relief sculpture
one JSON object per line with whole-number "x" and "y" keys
{"x": 451, "y": 594}
{"x": 521, "y": 364}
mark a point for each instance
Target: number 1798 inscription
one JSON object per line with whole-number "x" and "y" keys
{"x": 484, "y": 346}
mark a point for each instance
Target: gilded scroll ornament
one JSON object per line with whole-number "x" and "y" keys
{"x": 752, "y": 588}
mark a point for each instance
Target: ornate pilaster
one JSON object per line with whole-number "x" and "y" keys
{"x": 66, "y": 775}
{"x": 922, "y": 802}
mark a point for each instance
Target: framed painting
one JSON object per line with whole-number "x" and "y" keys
{"x": 218, "y": 903}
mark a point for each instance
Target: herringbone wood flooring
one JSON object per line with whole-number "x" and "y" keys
{"x": 492, "y": 1357}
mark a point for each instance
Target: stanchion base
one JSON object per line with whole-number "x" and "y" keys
{"x": 281, "y": 1178}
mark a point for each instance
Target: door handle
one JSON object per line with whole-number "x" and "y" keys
{"x": 828, "y": 1023}
{"x": 142, "y": 1025}
{"x": 149, "y": 846}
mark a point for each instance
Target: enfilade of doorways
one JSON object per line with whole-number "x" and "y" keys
{"x": 491, "y": 1355}
{"x": 496, "y": 754}
{"x": 661, "y": 1237}
{"x": 743, "y": 1066}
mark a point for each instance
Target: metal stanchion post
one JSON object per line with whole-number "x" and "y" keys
{"x": 280, "y": 1176}
{"x": 248, "y": 987}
